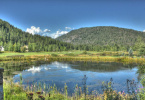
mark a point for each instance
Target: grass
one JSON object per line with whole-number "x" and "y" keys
{"x": 75, "y": 52}
{"x": 72, "y": 57}
{"x": 39, "y": 53}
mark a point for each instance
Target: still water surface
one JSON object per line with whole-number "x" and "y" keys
{"x": 72, "y": 73}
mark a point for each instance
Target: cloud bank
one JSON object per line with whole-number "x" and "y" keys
{"x": 36, "y": 30}
{"x": 143, "y": 30}
{"x": 58, "y": 33}
{"x": 46, "y": 30}
{"x": 33, "y": 30}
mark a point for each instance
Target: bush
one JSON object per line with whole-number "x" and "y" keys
{"x": 141, "y": 93}
{"x": 70, "y": 54}
{"x": 130, "y": 52}
{"x": 84, "y": 52}
{"x": 103, "y": 54}
{"x": 54, "y": 55}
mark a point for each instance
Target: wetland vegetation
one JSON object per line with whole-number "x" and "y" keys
{"x": 20, "y": 79}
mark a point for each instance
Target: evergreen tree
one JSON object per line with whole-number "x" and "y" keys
{"x": 130, "y": 52}
{"x": 142, "y": 50}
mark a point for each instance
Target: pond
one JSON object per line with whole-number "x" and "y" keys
{"x": 72, "y": 73}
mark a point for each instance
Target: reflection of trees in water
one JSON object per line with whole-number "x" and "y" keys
{"x": 11, "y": 67}
{"x": 101, "y": 66}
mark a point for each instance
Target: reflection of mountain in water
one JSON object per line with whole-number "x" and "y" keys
{"x": 12, "y": 68}
{"x": 101, "y": 66}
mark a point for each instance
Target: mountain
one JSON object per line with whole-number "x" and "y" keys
{"x": 13, "y": 39}
{"x": 103, "y": 36}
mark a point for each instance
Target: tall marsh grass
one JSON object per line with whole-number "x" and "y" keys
{"x": 73, "y": 57}
{"x": 37, "y": 91}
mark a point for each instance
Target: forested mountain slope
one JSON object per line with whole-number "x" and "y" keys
{"x": 94, "y": 39}
{"x": 103, "y": 36}
{"x": 13, "y": 39}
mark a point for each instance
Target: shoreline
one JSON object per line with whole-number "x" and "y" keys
{"x": 75, "y": 58}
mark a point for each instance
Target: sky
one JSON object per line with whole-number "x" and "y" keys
{"x": 57, "y": 17}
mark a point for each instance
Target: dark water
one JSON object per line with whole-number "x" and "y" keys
{"x": 72, "y": 73}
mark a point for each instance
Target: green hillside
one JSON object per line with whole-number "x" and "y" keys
{"x": 13, "y": 39}
{"x": 103, "y": 36}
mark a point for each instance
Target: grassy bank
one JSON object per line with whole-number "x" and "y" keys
{"x": 76, "y": 58}
{"x": 74, "y": 52}
{"x": 71, "y": 56}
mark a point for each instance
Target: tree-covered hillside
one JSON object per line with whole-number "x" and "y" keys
{"x": 13, "y": 39}
{"x": 103, "y": 36}
{"x": 89, "y": 39}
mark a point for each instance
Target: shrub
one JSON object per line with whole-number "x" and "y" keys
{"x": 130, "y": 52}
{"x": 70, "y": 54}
{"x": 54, "y": 55}
{"x": 84, "y": 52}
{"x": 141, "y": 93}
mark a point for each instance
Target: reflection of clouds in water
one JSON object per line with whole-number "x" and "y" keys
{"x": 51, "y": 66}
{"x": 37, "y": 69}
{"x": 60, "y": 65}
{"x": 46, "y": 68}
{"x": 34, "y": 69}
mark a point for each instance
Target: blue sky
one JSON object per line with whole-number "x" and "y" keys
{"x": 56, "y": 17}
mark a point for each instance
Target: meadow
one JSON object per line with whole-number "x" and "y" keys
{"x": 74, "y": 52}
{"x": 69, "y": 55}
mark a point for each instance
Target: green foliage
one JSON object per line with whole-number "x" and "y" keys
{"x": 143, "y": 80}
{"x": 65, "y": 90}
{"x": 84, "y": 52}
{"x": 130, "y": 52}
{"x": 54, "y": 55}
{"x": 139, "y": 42}
{"x": 16, "y": 92}
{"x": 141, "y": 94}
{"x": 106, "y": 36}
{"x": 70, "y": 54}
{"x": 142, "y": 50}
{"x": 23, "y": 49}
{"x": 13, "y": 39}
{"x": 21, "y": 80}
{"x": 76, "y": 91}
{"x": 89, "y": 39}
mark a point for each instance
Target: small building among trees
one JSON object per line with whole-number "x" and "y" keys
{"x": 24, "y": 48}
{"x": 1, "y": 48}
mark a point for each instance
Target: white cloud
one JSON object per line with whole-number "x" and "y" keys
{"x": 143, "y": 30}
{"x": 36, "y": 30}
{"x": 33, "y": 30}
{"x": 58, "y": 33}
{"x": 68, "y": 28}
{"x": 46, "y": 30}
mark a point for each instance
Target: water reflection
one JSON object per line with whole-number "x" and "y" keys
{"x": 72, "y": 73}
